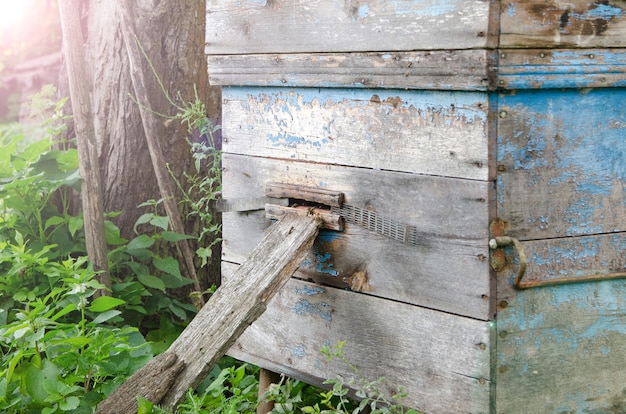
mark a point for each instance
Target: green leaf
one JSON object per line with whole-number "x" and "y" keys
{"x": 162, "y": 222}
{"x": 175, "y": 237}
{"x": 112, "y": 234}
{"x": 104, "y": 303}
{"x": 168, "y": 265}
{"x": 143, "y": 219}
{"x": 75, "y": 224}
{"x": 141, "y": 242}
{"x": 53, "y": 221}
{"x": 145, "y": 406}
{"x": 205, "y": 254}
{"x": 105, "y": 316}
{"x": 151, "y": 281}
{"x": 69, "y": 403}
{"x": 173, "y": 282}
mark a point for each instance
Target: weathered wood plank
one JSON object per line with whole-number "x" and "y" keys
{"x": 561, "y": 162}
{"x": 447, "y": 269}
{"x": 441, "y": 360}
{"x": 561, "y": 349}
{"x": 285, "y": 26}
{"x": 437, "y": 69}
{"x": 235, "y": 306}
{"x": 561, "y": 68}
{"x": 562, "y": 23}
{"x": 436, "y": 133}
{"x": 571, "y": 258}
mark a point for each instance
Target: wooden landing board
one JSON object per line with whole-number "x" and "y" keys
{"x": 561, "y": 349}
{"x": 561, "y": 162}
{"x": 429, "y": 132}
{"x": 285, "y": 26}
{"x": 447, "y": 270}
{"x": 441, "y": 360}
{"x": 562, "y": 23}
{"x": 435, "y": 70}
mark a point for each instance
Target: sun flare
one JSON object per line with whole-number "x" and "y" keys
{"x": 13, "y": 12}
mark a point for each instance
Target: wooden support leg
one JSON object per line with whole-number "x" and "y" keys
{"x": 266, "y": 378}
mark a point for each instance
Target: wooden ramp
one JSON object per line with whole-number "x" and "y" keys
{"x": 235, "y": 306}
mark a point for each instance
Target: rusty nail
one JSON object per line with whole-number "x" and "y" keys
{"x": 503, "y": 114}
{"x": 504, "y": 304}
{"x": 503, "y": 334}
{"x": 482, "y": 346}
{"x": 482, "y": 257}
{"x": 501, "y": 168}
{"x": 592, "y": 56}
{"x": 542, "y": 55}
{"x": 502, "y": 55}
{"x": 503, "y": 369}
{"x": 482, "y": 381}
{"x": 501, "y": 82}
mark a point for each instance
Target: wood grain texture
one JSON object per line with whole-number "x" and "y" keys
{"x": 436, "y": 70}
{"x": 286, "y": 26}
{"x": 235, "y": 306}
{"x": 441, "y": 360}
{"x": 561, "y": 349}
{"x": 560, "y": 155}
{"x": 562, "y": 23}
{"x": 561, "y": 68}
{"x": 450, "y": 215}
{"x": 436, "y": 133}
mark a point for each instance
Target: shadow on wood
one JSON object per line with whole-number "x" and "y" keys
{"x": 234, "y": 307}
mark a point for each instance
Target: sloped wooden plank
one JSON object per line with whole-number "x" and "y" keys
{"x": 437, "y": 69}
{"x": 561, "y": 68}
{"x": 441, "y": 360}
{"x": 446, "y": 270}
{"x": 429, "y": 132}
{"x": 562, "y": 23}
{"x": 285, "y": 26}
{"x": 222, "y": 320}
{"x": 560, "y": 162}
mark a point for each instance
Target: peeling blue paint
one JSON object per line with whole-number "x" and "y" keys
{"x": 306, "y": 308}
{"x": 363, "y": 11}
{"x": 424, "y": 8}
{"x": 600, "y": 11}
{"x": 323, "y": 265}
{"x": 298, "y": 350}
{"x": 309, "y": 290}
{"x": 569, "y": 137}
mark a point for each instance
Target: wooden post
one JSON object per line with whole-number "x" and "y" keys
{"x": 151, "y": 128}
{"x": 221, "y": 321}
{"x": 266, "y": 378}
{"x": 91, "y": 189}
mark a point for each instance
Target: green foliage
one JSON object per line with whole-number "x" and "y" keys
{"x": 59, "y": 352}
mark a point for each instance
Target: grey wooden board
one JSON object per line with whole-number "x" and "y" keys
{"x": 563, "y": 23}
{"x": 561, "y": 349}
{"x": 285, "y": 26}
{"x": 441, "y": 360}
{"x": 561, "y": 68}
{"x": 232, "y": 308}
{"x": 438, "y": 69}
{"x": 447, "y": 269}
{"x": 561, "y": 158}
{"x": 429, "y": 132}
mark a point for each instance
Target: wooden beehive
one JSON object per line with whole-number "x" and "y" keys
{"x": 465, "y": 121}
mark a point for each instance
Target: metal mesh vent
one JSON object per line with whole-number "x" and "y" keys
{"x": 378, "y": 224}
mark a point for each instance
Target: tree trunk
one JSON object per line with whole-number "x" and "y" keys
{"x": 86, "y": 141}
{"x": 172, "y": 35}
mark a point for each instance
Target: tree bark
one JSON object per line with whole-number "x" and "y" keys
{"x": 172, "y": 35}
{"x": 91, "y": 189}
{"x": 142, "y": 78}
